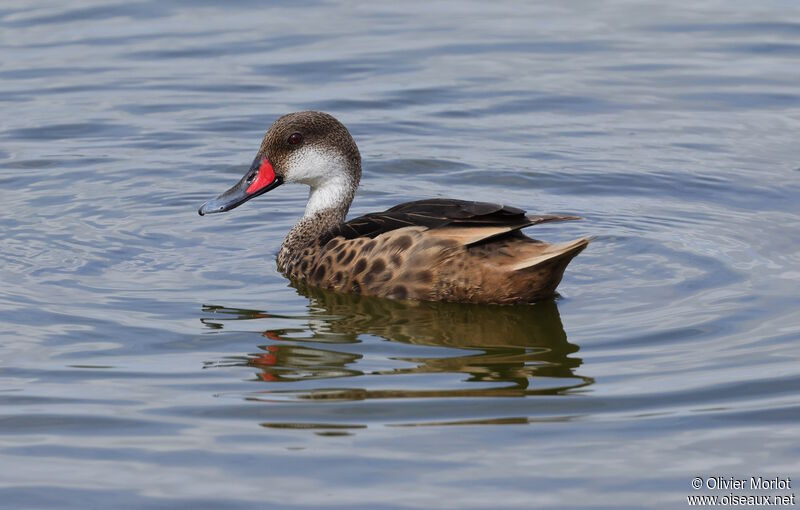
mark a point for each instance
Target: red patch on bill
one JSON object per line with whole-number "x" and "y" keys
{"x": 265, "y": 177}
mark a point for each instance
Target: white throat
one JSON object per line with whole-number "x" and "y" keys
{"x": 333, "y": 193}
{"x": 327, "y": 174}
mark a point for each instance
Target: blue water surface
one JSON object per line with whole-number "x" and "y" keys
{"x": 154, "y": 359}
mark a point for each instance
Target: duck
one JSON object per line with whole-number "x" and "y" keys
{"x": 436, "y": 249}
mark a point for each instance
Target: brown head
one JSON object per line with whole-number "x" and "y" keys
{"x": 311, "y": 148}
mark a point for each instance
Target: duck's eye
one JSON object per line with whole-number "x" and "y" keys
{"x": 295, "y": 139}
{"x": 251, "y": 177}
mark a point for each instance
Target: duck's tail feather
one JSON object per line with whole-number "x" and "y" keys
{"x": 549, "y": 253}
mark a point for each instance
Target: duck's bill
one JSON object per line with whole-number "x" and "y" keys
{"x": 257, "y": 181}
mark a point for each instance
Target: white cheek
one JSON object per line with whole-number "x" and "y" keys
{"x": 327, "y": 174}
{"x": 313, "y": 166}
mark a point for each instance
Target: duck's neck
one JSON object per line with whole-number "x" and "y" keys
{"x": 327, "y": 207}
{"x": 331, "y": 197}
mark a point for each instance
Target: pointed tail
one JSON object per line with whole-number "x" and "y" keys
{"x": 558, "y": 252}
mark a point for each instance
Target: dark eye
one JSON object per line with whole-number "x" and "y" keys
{"x": 295, "y": 138}
{"x": 251, "y": 177}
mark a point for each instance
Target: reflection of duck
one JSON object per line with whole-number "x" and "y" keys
{"x": 491, "y": 344}
{"x": 431, "y": 250}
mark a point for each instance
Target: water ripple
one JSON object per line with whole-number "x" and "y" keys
{"x": 144, "y": 346}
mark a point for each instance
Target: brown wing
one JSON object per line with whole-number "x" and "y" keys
{"x": 439, "y": 213}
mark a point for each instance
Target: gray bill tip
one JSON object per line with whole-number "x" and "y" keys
{"x": 210, "y": 207}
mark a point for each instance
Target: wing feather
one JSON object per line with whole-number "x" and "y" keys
{"x": 485, "y": 218}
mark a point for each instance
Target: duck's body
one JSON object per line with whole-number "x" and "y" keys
{"x": 431, "y": 250}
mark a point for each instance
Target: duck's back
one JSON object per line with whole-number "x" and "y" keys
{"x": 439, "y": 250}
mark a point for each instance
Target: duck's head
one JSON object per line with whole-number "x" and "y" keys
{"x": 311, "y": 148}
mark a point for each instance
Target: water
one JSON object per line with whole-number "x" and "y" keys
{"x": 151, "y": 358}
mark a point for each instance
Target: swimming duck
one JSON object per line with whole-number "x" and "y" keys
{"x": 429, "y": 250}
